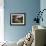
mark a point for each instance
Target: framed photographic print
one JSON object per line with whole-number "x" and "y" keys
{"x": 17, "y": 19}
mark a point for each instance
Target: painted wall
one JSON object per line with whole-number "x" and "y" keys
{"x": 30, "y": 7}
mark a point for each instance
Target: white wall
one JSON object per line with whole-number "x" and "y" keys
{"x": 1, "y": 20}
{"x": 43, "y": 6}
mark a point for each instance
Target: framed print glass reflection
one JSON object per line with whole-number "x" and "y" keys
{"x": 17, "y": 19}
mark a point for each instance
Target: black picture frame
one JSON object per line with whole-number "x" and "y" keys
{"x": 17, "y": 19}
